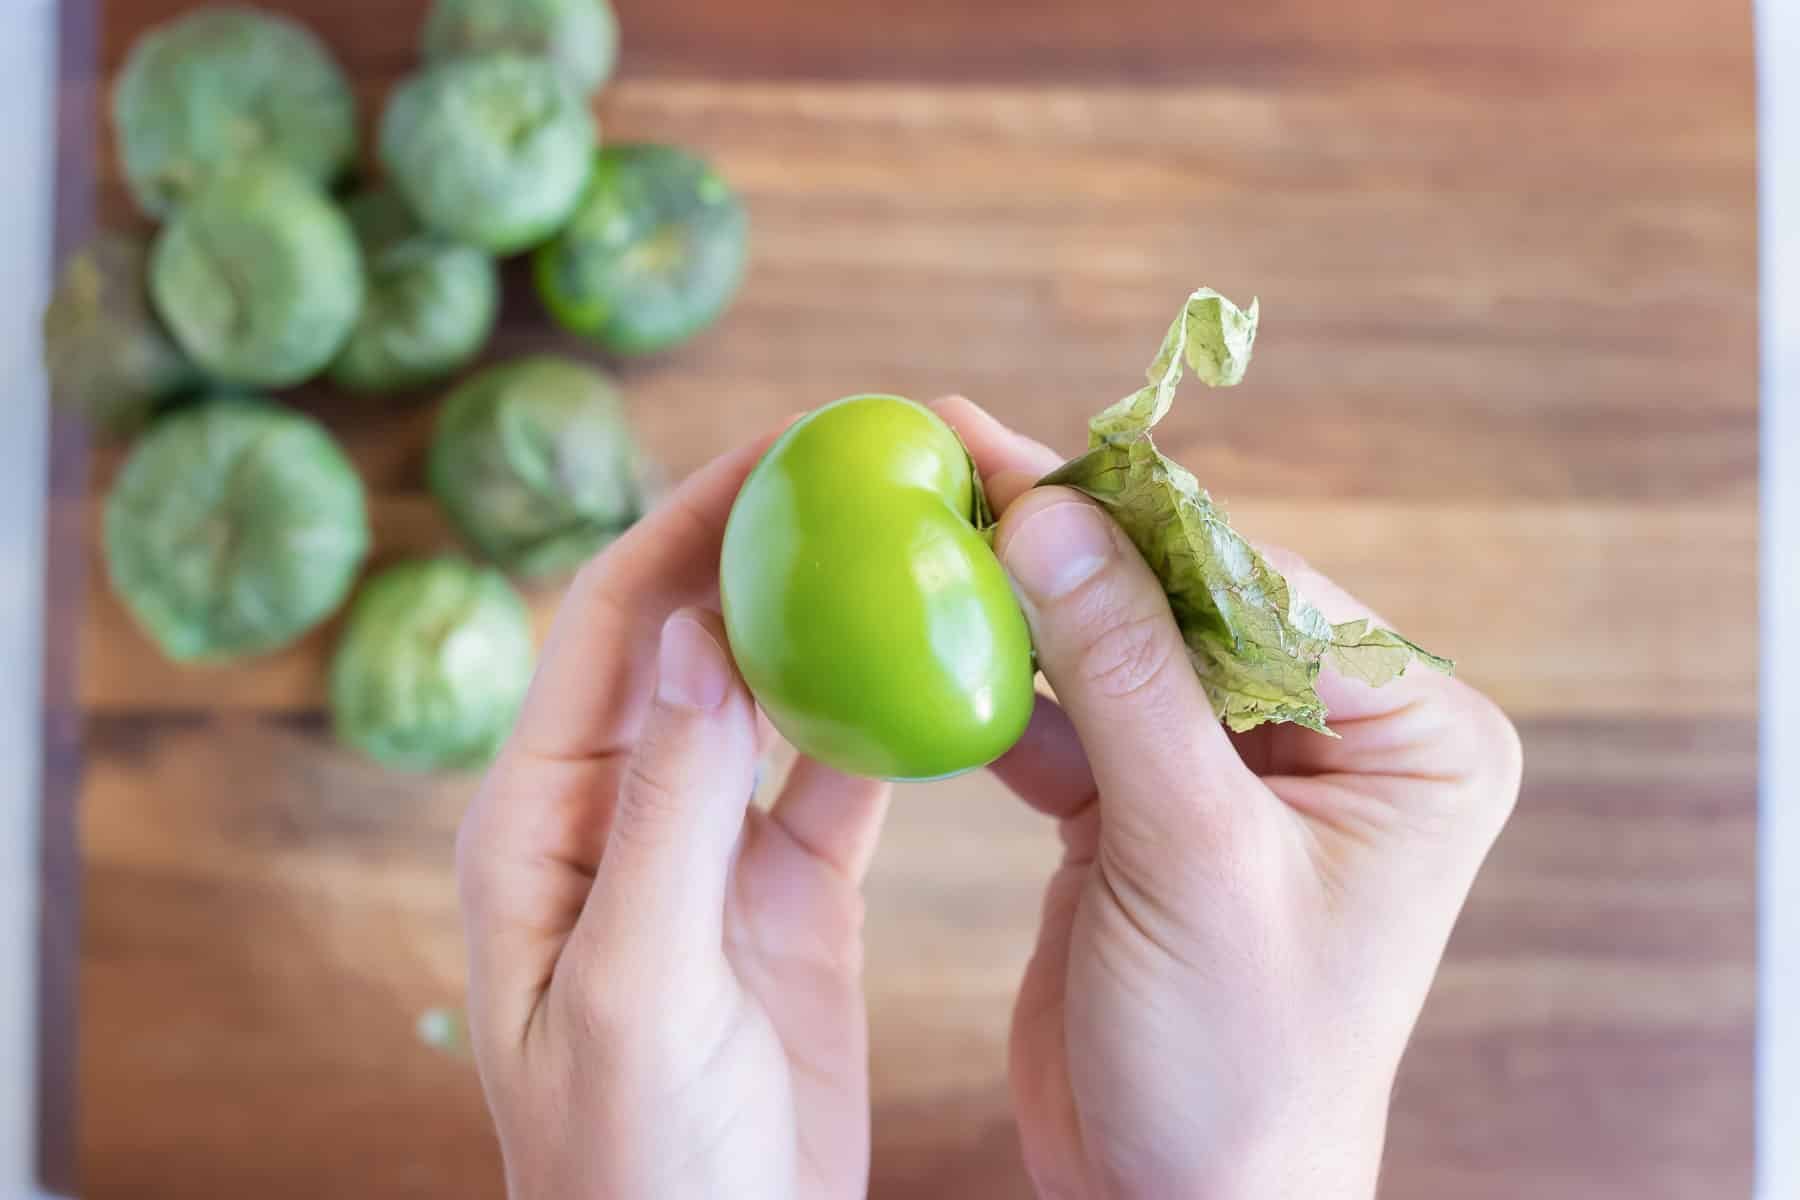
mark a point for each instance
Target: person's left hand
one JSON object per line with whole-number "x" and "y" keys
{"x": 665, "y": 983}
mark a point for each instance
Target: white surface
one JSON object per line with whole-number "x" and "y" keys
{"x": 27, "y": 75}
{"x": 1778, "y": 1037}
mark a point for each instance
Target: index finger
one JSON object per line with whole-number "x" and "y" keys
{"x": 1009, "y": 462}
{"x": 598, "y": 664}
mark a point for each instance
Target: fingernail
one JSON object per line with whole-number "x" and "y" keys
{"x": 692, "y": 671}
{"x": 1057, "y": 549}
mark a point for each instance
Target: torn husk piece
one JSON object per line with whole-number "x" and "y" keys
{"x": 1255, "y": 643}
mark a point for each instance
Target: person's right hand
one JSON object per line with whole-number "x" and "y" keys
{"x": 1243, "y": 928}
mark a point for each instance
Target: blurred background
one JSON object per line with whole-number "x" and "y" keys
{"x": 1506, "y": 389}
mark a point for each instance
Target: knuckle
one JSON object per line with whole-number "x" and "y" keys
{"x": 844, "y": 943}
{"x": 1506, "y": 752}
{"x": 471, "y": 866}
{"x": 1126, "y": 656}
{"x": 601, "y": 1008}
{"x": 594, "y": 577}
{"x": 1488, "y": 744}
{"x": 618, "y": 998}
{"x": 650, "y": 798}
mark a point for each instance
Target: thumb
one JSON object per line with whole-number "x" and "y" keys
{"x": 662, "y": 879}
{"x": 1165, "y": 770}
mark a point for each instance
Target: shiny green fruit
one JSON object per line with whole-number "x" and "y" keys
{"x": 865, "y": 607}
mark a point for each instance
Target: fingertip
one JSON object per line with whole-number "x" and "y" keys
{"x": 1047, "y": 767}
{"x": 834, "y": 817}
{"x": 1005, "y": 487}
{"x": 995, "y": 446}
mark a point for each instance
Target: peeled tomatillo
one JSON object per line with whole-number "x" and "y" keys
{"x": 865, "y": 609}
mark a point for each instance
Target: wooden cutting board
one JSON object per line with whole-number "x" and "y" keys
{"x": 1505, "y": 389}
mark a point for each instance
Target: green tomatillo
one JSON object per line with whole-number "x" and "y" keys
{"x": 863, "y": 603}
{"x": 432, "y": 666}
{"x": 653, "y": 254}
{"x": 492, "y": 151}
{"x": 580, "y": 36}
{"x": 535, "y": 463}
{"x": 221, "y": 84}
{"x": 110, "y": 359}
{"x": 258, "y": 276}
{"x": 429, "y": 306}
{"x": 235, "y": 526}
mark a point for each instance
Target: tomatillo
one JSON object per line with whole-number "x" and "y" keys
{"x": 653, "y": 254}
{"x": 865, "y": 607}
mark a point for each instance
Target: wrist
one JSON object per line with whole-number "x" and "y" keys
{"x": 1305, "y": 1150}
{"x": 1315, "y": 1151}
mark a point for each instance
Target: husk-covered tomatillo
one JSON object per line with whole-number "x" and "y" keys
{"x": 653, "y": 254}
{"x": 432, "y": 666}
{"x": 430, "y": 304}
{"x": 492, "y": 151}
{"x": 258, "y": 276}
{"x": 110, "y": 358}
{"x": 536, "y": 465}
{"x": 219, "y": 85}
{"x": 581, "y": 37}
{"x": 234, "y": 527}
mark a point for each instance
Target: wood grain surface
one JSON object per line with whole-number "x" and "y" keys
{"x": 1505, "y": 389}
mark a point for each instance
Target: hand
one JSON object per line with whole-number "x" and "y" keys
{"x": 665, "y": 985}
{"x": 1243, "y": 928}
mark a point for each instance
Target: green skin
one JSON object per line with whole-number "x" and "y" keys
{"x": 234, "y": 527}
{"x": 432, "y": 666}
{"x": 491, "y": 151}
{"x": 653, "y": 255}
{"x": 222, "y": 84}
{"x": 580, "y": 36}
{"x": 865, "y": 607}
{"x": 535, "y": 464}
{"x": 110, "y": 359}
{"x": 258, "y": 277}
{"x": 430, "y": 306}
